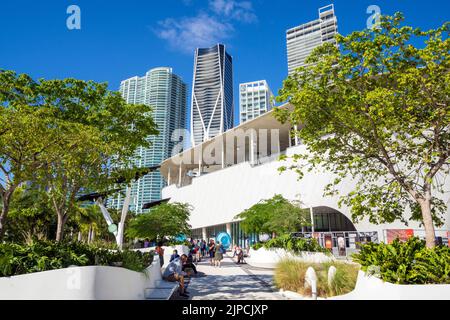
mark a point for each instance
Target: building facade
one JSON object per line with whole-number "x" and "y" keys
{"x": 165, "y": 92}
{"x": 302, "y": 39}
{"x": 212, "y": 93}
{"x": 228, "y": 187}
{"x": 255, "y": 98}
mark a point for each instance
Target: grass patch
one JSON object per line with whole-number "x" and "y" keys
{"x": 290, "y": 275}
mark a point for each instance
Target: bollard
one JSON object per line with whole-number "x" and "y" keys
{"x": 331, "y": 275}
{"x": 311, "y": 281}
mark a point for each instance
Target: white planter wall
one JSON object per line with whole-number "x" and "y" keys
{"x": 268, "y": 258}
{"x": 373, "y": 288}
{"x": 81, "y": 283}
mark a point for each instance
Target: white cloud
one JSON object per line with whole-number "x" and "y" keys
{"x": 188, "y": 33}
{"x": 238, "y": 10}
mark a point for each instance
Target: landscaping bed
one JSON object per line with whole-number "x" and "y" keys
{"x": 17, "y": 259}
{"x": 290, "y": 275}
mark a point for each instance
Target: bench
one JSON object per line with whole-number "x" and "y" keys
{"x": 159, "y": 289}
{"x": 163, "y": 290}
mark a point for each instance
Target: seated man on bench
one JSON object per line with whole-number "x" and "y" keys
{"x": 188, "y": 264}
{"x": 174, "y": 273}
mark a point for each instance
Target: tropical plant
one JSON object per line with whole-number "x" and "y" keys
{"x": 293, "y": 244}
{"x": 30, "y": 216}
{"x": 409, "y": 262}
{"x": 16, "y": 259}
{"x": 163, "y": 221}
{"x": 376, "y": 109}
{"x": 276, "y": 215}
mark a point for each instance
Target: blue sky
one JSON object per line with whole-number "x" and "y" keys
{"x": 120, "y": 39}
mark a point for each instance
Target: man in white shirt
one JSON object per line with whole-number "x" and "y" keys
{"x": 174, "y": 273}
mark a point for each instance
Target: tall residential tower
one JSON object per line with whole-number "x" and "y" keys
{"x": 165, "y": 92}
{"x": 255, "y": 98}
{"x": 302, "y": 40}
{"x": 212, "y": 93}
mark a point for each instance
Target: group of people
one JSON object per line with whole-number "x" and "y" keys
{"x": 201, "y": 249}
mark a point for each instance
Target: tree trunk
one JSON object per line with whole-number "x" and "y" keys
{"x": 3, "y": 215}
{"x": 430, "y": 235}
{"x": 5, "y": 209}
{"x": 60, "y": 227}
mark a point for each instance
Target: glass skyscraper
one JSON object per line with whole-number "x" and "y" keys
{"x": 302, "y": 40}
{"x": 255, "y": 98}
{"x": 212, "y": 93}
{"x": 165, "y": 92}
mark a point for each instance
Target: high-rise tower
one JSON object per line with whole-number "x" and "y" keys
{"x": 165, "y": 92}
{"x": 212, "y": 93}
{"x": 255, "y": 98}
{"x": 302, "y": 40}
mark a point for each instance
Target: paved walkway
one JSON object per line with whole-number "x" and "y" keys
{"x": 232, "y": 281}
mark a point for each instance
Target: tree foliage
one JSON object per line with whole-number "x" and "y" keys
{"x": 66, "y": 135}
{"x": 376, "y": 109}
{"x": 275, "y": 215}
{"x": 164, "y": 221}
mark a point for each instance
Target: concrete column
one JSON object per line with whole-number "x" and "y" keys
{"x": 179, "y": 176}
{"x": 296, "y": 135}
{"x": 200, "y": 162}
{"x": 204, "y": 235}
{"x": 274, "y": 141}
{"x": 252, "y": 148}
{"x": 312, "y": 218}
{"x": 169, "y": 178}
{"x": 223, "y": 152}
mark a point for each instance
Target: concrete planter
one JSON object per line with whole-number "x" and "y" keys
{"x": 373, "y": 288}
{"x": 81, "y": 283}
{"x": 268, "y": 258}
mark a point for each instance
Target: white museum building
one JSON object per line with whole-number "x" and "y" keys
{"x": 239, "y": 168}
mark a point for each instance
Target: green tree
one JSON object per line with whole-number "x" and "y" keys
{"x": 80, "y": 130}
{"x": 30, "y": 216}
{"x": 377, "y": 110}
{"x": 165, "y": 220}
{"x": 25, "y": 137}
{"x": 276, "y": 215}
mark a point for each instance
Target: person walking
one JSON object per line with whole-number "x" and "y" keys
{"x": 160, "y": 251}
{"x": 203, "y": 247}
{"x": 218, "y": 255}
{"x": 211, "y": 250}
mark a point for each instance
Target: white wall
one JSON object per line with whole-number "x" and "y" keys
{"x": 269, "y": 258}
{"x": 81, "y": 283}
{"x": 372, "y": 288}
{"x": 219, "y": 196}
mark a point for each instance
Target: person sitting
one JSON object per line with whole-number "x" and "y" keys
{"x": 174, "y": 255}
{"x": 174, "y": 273}
{"x": 240, "y": 255}
{"x": 188, "y": 264}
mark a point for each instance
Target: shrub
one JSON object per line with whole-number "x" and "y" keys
{"x": 39, "y": 256}
{"x": 409, "y": 262}
{"x": 290, "y": 243}
{"x": 290, "y": 275}
{"x": 171, "y": 243}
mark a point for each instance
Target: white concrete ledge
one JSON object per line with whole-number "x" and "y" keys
{"x": 82, "y": 283}
{"x": 373, "y": 288}
{"x": 269, "y": 258}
